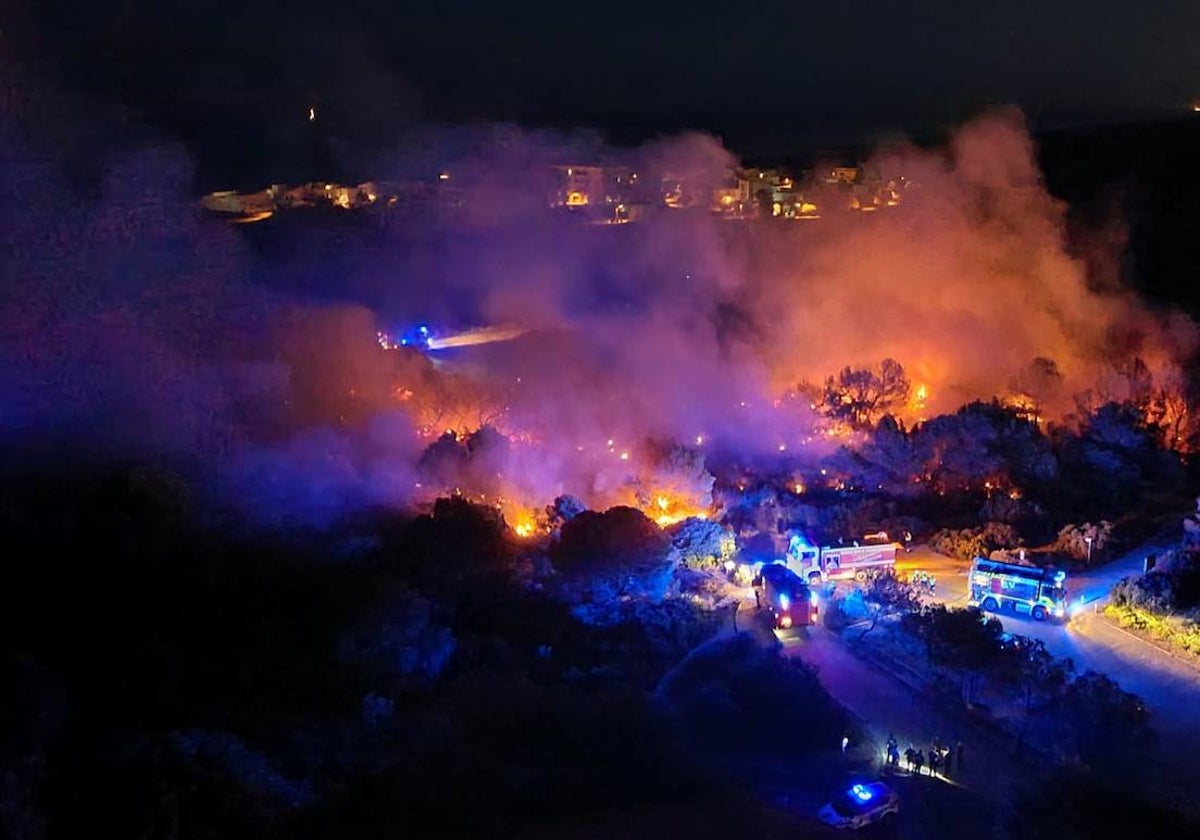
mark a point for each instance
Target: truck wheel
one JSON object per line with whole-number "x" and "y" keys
{"x": 860, "y": 576}
{"x": 814, "y": 578}
{"x": 989, "y": 605}
{"x": 1039, "y": 613}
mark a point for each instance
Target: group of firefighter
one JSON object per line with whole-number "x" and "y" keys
{"x": 941, "y": 757}
{"x": 923, "y": 582}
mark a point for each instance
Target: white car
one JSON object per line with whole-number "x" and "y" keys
{"x": 861, "y": 804}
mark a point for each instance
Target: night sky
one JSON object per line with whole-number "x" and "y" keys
{"x": 762, "y": 75}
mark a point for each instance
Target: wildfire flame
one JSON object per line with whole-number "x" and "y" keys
{"x": 668, "y": 509}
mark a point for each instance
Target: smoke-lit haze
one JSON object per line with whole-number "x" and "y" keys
{"x": 132, "y": 327}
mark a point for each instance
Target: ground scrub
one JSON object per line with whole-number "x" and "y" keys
{"x": 1163, "y": 604}
{"x": 969, "y": 543}
{"x": 1177, "y": 631}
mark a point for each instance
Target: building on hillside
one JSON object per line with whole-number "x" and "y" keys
{"x": 842, "y": 175}
{"x": 733, "y": 197}
{"x": 579, "y": 186}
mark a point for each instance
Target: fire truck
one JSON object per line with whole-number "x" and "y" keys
{"x": 791, "y": 602}
{"x": 839, "y": 562}
{"x": 1040, "y": 592}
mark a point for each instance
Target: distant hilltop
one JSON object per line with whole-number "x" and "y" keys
{"x": 593, "y": 194}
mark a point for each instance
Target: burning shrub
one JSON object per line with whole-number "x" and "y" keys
{"x": 680, "y": 485}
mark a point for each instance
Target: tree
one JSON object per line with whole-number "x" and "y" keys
{"x": 702, "y": 543}
{"x": 969, "y": 543}
{"x": 1037, "y": 385}
{"x": 1081, "y": 541}
{"x": 1036, "y": 677}
{"x": 561, "y": 511}
{"x": 1169, "y": 414}
{"x": 889, "y": 459}
{"x": 885, "y": 595}
{"x": 964, "y": 641}
{"x": 860, "y": 396}
{"x": 1076, "y": 805}
{"x": 460, "y": 544}
{"x": 956, "y": 451}
{"x": 1105, "y": 725}
{"x": 604, "y": 559}
{"x": 620, "y": 537}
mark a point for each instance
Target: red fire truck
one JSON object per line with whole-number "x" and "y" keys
{"x": 791, "y": 602}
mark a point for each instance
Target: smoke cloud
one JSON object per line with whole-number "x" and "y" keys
{"x": 132, "y": 327}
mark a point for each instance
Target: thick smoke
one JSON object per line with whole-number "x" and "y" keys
{"x": 134, "y": 328}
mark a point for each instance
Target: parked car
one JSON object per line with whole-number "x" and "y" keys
{"x": 859, "y": 805}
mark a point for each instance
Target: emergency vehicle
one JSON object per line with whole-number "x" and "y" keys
{"x": 791, "y": 602}
{"x": 839, "y": 562}
{"x": 994, "y": 586}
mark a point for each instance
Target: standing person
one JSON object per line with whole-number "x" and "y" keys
{"x": 947, "y": 760}
{"x": 935, "y": 758}
{"x": 919, "y": 761}
{"x": 910, "y": 756}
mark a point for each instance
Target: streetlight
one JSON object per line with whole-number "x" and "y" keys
{"x": 1088, "y": 540}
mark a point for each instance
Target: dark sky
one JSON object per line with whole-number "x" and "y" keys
{"x": 833, "y": 70}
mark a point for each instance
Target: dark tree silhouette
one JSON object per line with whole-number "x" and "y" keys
{"x": 860, "y": 396}
{"x": 966, "y": 642}
{"x": 885, "y": 595}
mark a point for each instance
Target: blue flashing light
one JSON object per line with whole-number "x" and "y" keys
{"x": 784, "y": 602}
{"x": 798, "y": 543}
{"x": 424, "y": 330}
{"x": 862, "y": 794}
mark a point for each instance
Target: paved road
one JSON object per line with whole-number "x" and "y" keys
{"x": 1168, "y": 684}
{"x": 888, "y": 706}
